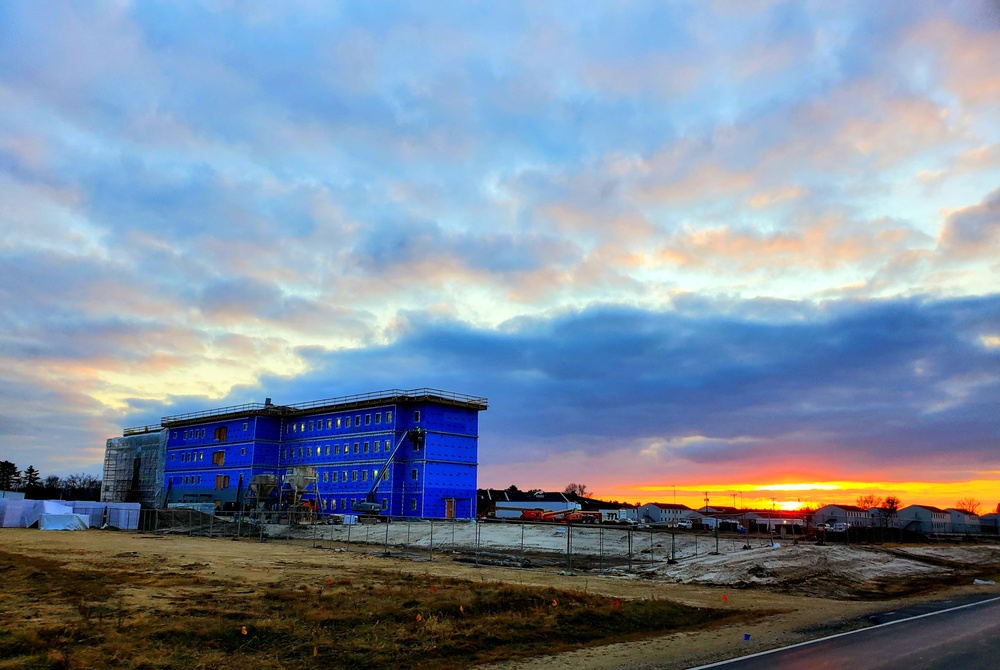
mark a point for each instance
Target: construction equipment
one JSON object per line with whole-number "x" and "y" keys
{"x": 370, "y": 509}
{"x": 297, "y": 483}
{"x": 571, "y": 515}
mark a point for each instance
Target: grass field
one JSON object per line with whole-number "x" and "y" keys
{"x": 61, "y": 615}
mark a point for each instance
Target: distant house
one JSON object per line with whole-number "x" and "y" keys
{"x": 963, "y": 522}
{"x": 669, "y": 513}
{"x": 988, "y": 524}
{"x": 768, "y": 520}
{"x": 850, "y": 514}
{"x": 924, "y": 519}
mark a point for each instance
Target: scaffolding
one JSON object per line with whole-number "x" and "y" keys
{"x": 133, "y": 467}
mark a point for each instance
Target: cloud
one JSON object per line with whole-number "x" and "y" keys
{"x": 973, "y": 231}
{"x": 699, "y": 218}
{"x": 891, "y": 386}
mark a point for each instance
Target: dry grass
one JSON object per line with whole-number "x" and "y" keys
{"x": 148, "y": 614}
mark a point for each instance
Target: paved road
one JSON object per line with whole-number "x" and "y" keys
{"x": 965, "y": 636}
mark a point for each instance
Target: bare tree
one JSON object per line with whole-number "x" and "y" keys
{"x": 576, "y": 489}
{"x": 969, "y": 505}
{"x": 866, "y": 502}
{"x": 888, "y": 509}
{"x": 82, "y": 487}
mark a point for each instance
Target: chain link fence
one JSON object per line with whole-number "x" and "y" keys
{"x": 500, "y": 543}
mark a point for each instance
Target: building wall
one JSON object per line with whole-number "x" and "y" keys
{"x": 657, "y": 514}
{"x": 838, "y": 514}
{"x": 347, "y": 447}
{"x": 923, "y": 520}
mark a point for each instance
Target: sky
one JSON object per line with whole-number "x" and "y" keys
{"x": 747, "y": 251}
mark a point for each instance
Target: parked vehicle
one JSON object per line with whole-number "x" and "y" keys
{"x": 685, "y": 523}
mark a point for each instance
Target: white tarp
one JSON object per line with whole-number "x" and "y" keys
{"x": 62, "y": 522}
{"x": 15, "y": 512}
{"x": 124, "y": 516}
{"x": 91, "y": 510}
{"x": 40, "y": 507}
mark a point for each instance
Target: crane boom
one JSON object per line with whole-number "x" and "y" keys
{"x": 369, "y": 506}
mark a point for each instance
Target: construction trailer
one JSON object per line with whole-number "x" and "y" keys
{"x": 345, "y": 440}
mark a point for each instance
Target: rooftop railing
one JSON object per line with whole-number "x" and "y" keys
{"x": 347, "y": 400}
{"x": 139, "y": 430}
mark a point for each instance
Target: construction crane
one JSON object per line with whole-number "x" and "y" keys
{"x": 370, "y": 508}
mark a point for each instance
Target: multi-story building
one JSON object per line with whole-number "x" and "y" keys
{"x": 212, "y": 455}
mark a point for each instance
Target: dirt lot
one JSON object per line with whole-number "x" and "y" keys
{"x": 102, "y": 598}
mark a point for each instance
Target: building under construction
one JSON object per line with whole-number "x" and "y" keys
{"x": 331, "y": 454}
{"x": 133, "y": 466}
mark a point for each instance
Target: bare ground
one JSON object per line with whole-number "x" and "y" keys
{"x": 762, "y": 604}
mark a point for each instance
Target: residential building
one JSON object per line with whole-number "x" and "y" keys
{"x": 963, "y": 522}
{"x": 843, "y": 514}
{"x": 924, "y": 519}
{"x": 668, "y": 513}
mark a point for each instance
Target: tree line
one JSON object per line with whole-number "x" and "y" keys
{"x": 34, "y": 487}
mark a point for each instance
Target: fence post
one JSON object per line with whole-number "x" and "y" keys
{"x": 432, "y": 539}
{"x": 522, "y": 539}
{"x": 600, "y": 534}
{"x": 349, "y": 536}
{"x": 569, "y": 550}
{"x": 385, "y": 549}
{"x": 629, "y": 531}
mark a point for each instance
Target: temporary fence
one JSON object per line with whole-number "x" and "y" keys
{"x": 508, "y": 544}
